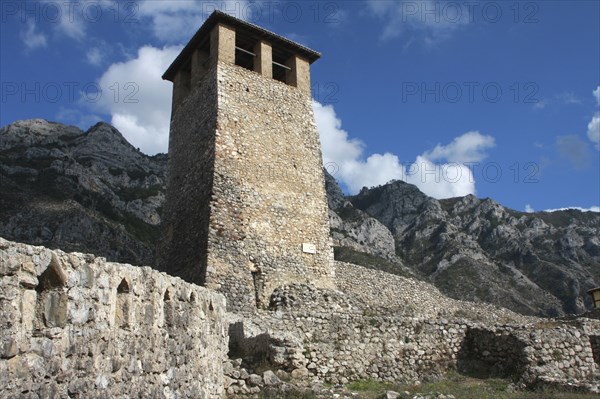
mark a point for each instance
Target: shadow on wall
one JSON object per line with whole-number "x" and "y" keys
{"x": 253, "y": 349}
{"x": 489, "y": 354}
{"x": 595, "y": 343}
{"x": 263, "y": 350}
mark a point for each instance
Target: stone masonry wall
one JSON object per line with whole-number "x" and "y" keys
{"x": 558, "y": 352}
{"x": 365, "y": 332}
{"x": 184, "y": 243}
{"x": 72, "y": 325}
{"x": 246, "y": 188}
{"x": 269, "y": 192}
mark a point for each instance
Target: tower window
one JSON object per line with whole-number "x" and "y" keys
{"x": 244, "y": 56}
{"x": 279, "y": 68}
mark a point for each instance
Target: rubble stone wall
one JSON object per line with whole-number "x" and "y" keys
{"x": 340, "y": 336}
{"x": 246, "y": 208}
{"x": 183, "y": 246}
{"x": 269, "y": 195}
{"x": 73, "y": 325}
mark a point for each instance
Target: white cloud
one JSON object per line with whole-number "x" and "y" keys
{"x": 593, "y": 131}
{"x": 578, "y": 208}
{"x": 450, "y": 178}
{"x": 31, "y": 37}
{"x": 569, "y": 98}
{"x": 566, "y": 98}
{"x": 432, "y": 21}
{"x": 440, "y": 180}
{"x": 177, "y": 21}
{"x": 470, "y": 147}
{"x": 72, "y": 27}
{"x": 94, "y": 56}
{"x": 74, "y": 16}
{"x": 71, "y": 18}
{"x": 138, "y": 100}
{"x": 540, "y": 104}
{"x": 529, "y": 208}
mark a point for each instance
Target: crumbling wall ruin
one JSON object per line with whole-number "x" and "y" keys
{"x": 360, "y": 333}
{"x": 75, "y": 325}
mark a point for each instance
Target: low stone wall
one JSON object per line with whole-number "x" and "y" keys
{"x": 539, "y": 353}
{"x": 78, "y": 326}
{"x": 337, "y": 337}
{"x": 559, "y": 352}
{"x": 487, "y": 353}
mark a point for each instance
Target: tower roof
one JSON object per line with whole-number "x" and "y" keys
{"x": 249, "y": 30}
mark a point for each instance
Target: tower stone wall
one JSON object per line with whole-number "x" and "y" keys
{"x": 246, "y": 207}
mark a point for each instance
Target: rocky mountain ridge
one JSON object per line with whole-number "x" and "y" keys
{"x": 80, "y": 191}
{"x": 476, "y": 249}
{"x": 94, "y": 192}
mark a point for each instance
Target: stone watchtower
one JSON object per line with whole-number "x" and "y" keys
{"x": 246, "y": 208}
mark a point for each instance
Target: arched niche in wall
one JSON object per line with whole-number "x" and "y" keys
{"x": 168, "y": 308}
{"x": 51, "y": 306}
{"x": 123, "y": 305}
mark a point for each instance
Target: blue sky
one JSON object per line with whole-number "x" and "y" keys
{"x": 495, "y": 98}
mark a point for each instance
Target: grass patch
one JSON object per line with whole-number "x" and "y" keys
{"x": 367, "y": 385}
{"x": 290, "y": 394}
{"x": 461, "y": 387}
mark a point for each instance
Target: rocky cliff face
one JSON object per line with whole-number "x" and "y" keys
{"x": 80, "y": 191}
{"x": 93, "y": 192}
{"x": 478, "y": 250}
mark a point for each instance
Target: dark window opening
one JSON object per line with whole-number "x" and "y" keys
{"x": 244, "y": 52}
{"x": 279, "y": 69}
{"x": 595, "y": 343}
